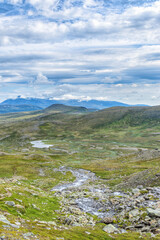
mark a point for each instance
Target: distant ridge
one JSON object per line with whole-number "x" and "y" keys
{"x": 37, "y": 103}
{"x": 96, "y": 104}
{"x": 17, "y": 108}
{"x": 117, "y": 117}
{"x": 63, "y": 108}
{"x": 41, "y": 103}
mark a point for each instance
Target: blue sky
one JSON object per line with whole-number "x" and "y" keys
{"x": 86, "y": 49}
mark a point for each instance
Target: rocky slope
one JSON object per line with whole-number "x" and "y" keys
{"x": 138, "y": 210}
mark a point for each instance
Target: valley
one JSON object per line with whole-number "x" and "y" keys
{"x": 68, "y": 173}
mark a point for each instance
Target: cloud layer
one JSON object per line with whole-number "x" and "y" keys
{"x": 80, "y": 49}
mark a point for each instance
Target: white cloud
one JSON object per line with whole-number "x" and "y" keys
{"x": 154, "y": 97}
{"x": 134, "y": 85}
{"x": 119, "y": 85}
{"x": 139, "y": 24}
{"x": 14, "y": 1}
{"x": 1, "y": 79}
{"x": 43, "y": 5}
{"x": 88, "y": 48}
{"x": 41, "y": 79}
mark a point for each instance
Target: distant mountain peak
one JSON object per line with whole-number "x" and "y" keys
{"x": 44, "y": 103}
{"x": 64, "y": 108}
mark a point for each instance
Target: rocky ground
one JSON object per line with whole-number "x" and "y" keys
{"x": 87, "y": 202}
{"x": 137, "y": 210}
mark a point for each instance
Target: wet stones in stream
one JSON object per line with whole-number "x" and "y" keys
{"x": 82, "y": 176}
{"x": 94, "y": 207}
{"x": 137, "y": 210}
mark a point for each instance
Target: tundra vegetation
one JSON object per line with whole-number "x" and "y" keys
{"x": 98, "y": 179}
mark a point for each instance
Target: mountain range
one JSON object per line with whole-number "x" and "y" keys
{"x": 32, "y": 104}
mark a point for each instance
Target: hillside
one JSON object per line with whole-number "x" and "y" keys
{"x": 17, "y": 108}
{"x": 120, "y": 117}
{"x": 115, "y": 117}
{"x": 80, "y": 119}
{"x": 66, "y": 109}
{"x": 16, "y": 113}
{"x": 65, "y": 168}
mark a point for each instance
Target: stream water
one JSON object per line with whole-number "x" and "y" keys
{"x": 94, "y": 207}
{"x": 81, "y": 177}
{"x": 97, "y": 201}
{"x": 88, "y": 205}
{"x": 40, "y": 144}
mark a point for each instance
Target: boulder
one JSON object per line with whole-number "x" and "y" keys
{"x": 110, "y": 229}
{"x": 136, "y": 192}
{"x": 107, "y": 220}
{"x": 153, "y": 212}
{"x": 10, "y": 203}
{"x": 133, "y": 213}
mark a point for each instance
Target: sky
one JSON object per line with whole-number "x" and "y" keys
{"x": 80, "y": 49}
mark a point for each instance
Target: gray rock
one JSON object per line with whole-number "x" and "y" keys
{"x": 153, "y": 212}
{"x": 110, "y": 229}
{"x": 130, "y": 228}
{"x": 158, "y": 222}
{"x": 14, "y": 225}
{"x": 123, "y": 231}
{"x": 133, "y": 213}
{"x": 139, "y": 226}
{"x": 107, "y": 220}
{"x": 10, "y": 203}
{"x": 136, "y": 192}
{"x": 145, "y": 229}
{"x": 28, "y": 235}
{"x": 35, "y": 207}
{"x": 68, "y": 221}
{"x": 147, "y": 218}
{"x": 3, "y": 238}
{"x": 4, "y": 219}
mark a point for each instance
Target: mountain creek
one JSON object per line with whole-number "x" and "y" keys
{"x": 138, "y": 210}
{"x": 84, "y": 176}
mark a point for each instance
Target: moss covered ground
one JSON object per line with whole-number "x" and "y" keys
{"x": 115, "y": 152}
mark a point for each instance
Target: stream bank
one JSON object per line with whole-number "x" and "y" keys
{"x": 86, "y": 202}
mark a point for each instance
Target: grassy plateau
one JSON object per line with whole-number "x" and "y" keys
{"x": 120, "y": 145}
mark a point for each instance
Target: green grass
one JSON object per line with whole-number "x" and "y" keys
{"x": 97, "y": 142}
{"x": 44, "y": 210}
